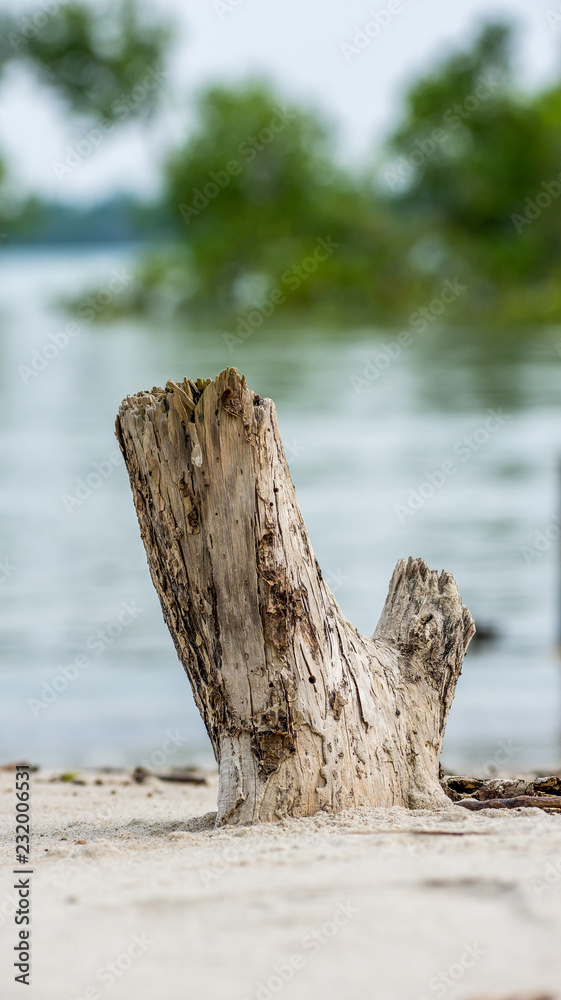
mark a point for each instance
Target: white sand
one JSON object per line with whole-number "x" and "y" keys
{"x": 219, "y": 909}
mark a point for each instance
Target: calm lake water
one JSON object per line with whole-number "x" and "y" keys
{"x": 71, "y": 562}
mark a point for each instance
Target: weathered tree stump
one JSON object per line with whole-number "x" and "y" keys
{"x": 303, "y": 712}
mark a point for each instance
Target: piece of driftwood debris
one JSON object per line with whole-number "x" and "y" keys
{"x": 551, "y": 803}
{"x": 421, "y": 833}
{"x": 14, "y": 764}
{"x": 457, "y": 787}
{"x": 140, "y": 774}
{"x": 520, "y": 996}
{"x": 188, "y": 775}
{"x": 303, "y": 712}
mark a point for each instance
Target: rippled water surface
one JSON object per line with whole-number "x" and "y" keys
{"x": 359, "y": 451}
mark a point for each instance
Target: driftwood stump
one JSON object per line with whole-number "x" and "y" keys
{"x": 303, "y": 712}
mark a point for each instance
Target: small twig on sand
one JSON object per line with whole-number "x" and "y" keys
{"x": 192, "y": 777}
{"x": 511, "y": 996}
{"x": 426, "y": 833}
{"x": 189, "y": 776}
{"x": 549, "y": 802}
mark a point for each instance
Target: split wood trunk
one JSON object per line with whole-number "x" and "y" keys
{"x": 304, "y": 713}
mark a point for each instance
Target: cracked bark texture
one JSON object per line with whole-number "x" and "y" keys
{"x": 303, "y": 712}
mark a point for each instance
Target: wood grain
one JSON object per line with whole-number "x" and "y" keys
{"x": 303, "y": 712}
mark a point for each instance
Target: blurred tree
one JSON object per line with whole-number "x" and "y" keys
{"x": 471, "y": 158}
{"x": 472, "y": 181}
{"x": 252, "y": 191}
{"x": 94, "y": 57}
{"x": 105, "y": 62}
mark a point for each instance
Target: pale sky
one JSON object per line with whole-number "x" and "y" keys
{"x": 295, "y": 44}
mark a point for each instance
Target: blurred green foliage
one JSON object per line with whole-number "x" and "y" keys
{"x": 456, "y": 194}
{"x": 251, "y": 191}
{"x": 478, "y": 168}
{"x": 467, "y": 188}
{"x": 93, "y": 56}
{"x": 98, "y": 59}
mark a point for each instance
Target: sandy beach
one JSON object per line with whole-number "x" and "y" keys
{"x": 135, "y": 894}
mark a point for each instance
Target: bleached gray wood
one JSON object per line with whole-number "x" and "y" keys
{"x": 303, "y": 712}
